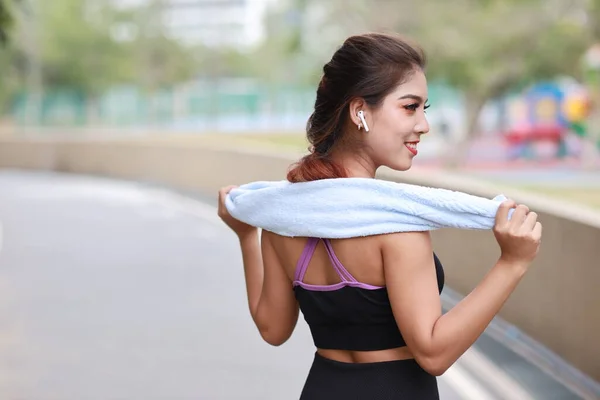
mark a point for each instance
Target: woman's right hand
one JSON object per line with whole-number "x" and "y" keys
{"x": 520, "y": 237}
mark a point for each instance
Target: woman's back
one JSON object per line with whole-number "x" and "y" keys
{"x": 360, "y": 256}
{"x": 340, "y": 288}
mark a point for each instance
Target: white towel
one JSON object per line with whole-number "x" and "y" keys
{"x": 353, "y": 207}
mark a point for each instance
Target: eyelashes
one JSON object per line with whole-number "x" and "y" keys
{"x": 415, "y": 106}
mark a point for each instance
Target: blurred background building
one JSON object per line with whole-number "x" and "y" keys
{"x": 214, "y": 23}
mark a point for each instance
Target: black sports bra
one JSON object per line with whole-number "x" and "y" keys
{"x": 348, "y": 315}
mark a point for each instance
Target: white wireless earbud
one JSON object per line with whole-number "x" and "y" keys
{"x": 361, "y": 116}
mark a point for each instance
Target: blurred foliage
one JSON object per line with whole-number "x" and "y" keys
{"x": 9, "y": 59}
{"x": 593, "y": 19}
{"x": 480, "y": 46}
{"x": 6, "y": 19}
{"x": 89, "y": 46}
{"x": 483, "y": 47}
{"x": 76, "y": 50}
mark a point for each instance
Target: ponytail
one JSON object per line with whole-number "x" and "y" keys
{"x": 315, "y": 166}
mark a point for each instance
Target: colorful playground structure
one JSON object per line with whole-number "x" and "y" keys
{"x": 547, "y": 112}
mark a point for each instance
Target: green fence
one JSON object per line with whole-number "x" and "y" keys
{"x": 190, "y": 104}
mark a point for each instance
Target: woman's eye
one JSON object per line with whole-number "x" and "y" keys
{"x": 415, "y": 106}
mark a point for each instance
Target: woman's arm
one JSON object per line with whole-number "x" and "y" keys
{"x": 437, "y": 340}
{"x": 271, "y": 298}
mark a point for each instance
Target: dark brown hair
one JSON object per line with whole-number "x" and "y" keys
{"x": 368, "y": 66}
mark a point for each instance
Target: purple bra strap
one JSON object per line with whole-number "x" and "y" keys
{"x": 337, "y": 265}
{"x": 305, "y": 257}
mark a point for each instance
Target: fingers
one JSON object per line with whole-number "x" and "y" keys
{"x": 529, "y": 226}
{"x": 530, "y": 221}
{"x": 225, "y": 190}
{"x": 223, "y": 193}
{"x": 222, "y": 210}
{"x": 518, "y": 217}
{"x": 537, "y": 232}
{"x": 522, "y": 220}
{"x": 502, "y": 213}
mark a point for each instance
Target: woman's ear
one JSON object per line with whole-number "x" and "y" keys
{"x": 357, "y": 105}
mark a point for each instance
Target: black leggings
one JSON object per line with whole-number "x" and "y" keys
{"x": 388, "y": 380}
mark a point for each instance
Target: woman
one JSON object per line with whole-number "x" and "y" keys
{"x": 373, "y": 303}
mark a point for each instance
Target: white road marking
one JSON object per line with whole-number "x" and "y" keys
{"x": 494, "y": 376}
{"x": 464, "y": 385}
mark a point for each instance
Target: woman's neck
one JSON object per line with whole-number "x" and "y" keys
{"x": 356, "y": 165}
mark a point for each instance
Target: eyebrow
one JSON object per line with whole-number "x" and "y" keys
{"x": 412, "y": 96}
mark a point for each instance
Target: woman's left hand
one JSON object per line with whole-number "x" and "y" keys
{"x": 240, "y": 228}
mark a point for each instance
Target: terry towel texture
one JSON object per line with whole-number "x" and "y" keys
{"x": 354, "y": 207}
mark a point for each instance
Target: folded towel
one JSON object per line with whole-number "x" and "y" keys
{"x": 353, "y": 207}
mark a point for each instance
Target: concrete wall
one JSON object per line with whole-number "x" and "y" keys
{"x": 557, "y": 303}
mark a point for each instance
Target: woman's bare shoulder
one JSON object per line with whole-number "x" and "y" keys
{"x": 406, "y": 240}
{"x": 375, "y": 240}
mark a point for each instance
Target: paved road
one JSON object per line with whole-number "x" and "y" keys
{"x": 117, "y": 291}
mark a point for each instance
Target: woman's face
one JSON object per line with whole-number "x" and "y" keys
{"x": 395, "y": 127}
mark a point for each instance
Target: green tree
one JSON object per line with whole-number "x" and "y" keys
{"x": 12, "y": 60}
{"x": 78, "y": 49}
{"x": 90, "y": 46}
{"x": 291, "y": 54}
{"x": 82, "y": 48}
{"x": 6, "y": 19}
{"x": 160, "y": 61}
